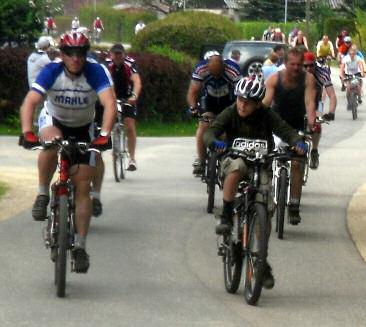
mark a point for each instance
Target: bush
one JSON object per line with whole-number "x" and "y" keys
{"x": 119, "y": 24}
{"x": 176, "y": 56}
{"x": 165, "y": 84}
{"x": 333, "y": 26}
{"x": 164, "y": 88}
{"x": 13, "y": 78}
{"x": 187, "y": 31}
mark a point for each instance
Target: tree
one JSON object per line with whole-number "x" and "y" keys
{"x": 273, "y": 10}
{"x": 19, "y": 20}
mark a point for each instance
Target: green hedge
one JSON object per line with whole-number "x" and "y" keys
{"x": 119, "y": 24}
{"x": 187, "y": 32}
{"x": 333, "y": 26}
{"x": 165, "y": 84}
{"x": 164, "y": 88}
{"x": 361, "y": 29}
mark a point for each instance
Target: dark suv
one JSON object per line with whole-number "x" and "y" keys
{"x": 253, "y": 54}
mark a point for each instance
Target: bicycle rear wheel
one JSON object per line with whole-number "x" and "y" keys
{"x": 281, "y": 202}
{"x": 62, "y": 246}
{"x": 211, "y": 182}
{"x": 255, "y": 251}
{"x": 117, "y": 141}
{"x": 233, "y": 264}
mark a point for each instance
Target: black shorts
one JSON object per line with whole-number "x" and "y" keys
{"x": 127, "y": 111}
{"x": 79, "y": 134}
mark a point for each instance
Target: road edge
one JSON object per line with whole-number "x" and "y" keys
{"x": 356, "y": 220}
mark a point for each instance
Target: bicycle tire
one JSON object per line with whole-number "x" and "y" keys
{"x": 116, "y": 153}
{"x": 255, "y": 252}
{"x": 60, "y": 264}
{"x": 233, "y": 264}
{"x": 353, "y": 102}
{"x": 124, "y": 155}
{"x": 211, "y": 182}
{"x": 281, "y": 202}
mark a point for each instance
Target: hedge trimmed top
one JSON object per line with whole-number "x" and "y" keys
{"x": 187, "y": 31}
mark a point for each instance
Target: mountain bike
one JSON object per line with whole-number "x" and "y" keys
{"x": 210, "y": 175}
{"x": 353, "y": 82}
{"x": 245, "y": 247}
{"x": 58, "y": 234}
{"x": 119, "y": 145}
{"x": 281, "y": 183}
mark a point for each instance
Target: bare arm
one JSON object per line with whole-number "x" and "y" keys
{"x": 193, "y": 92}
{"x": 310, "y": 96}
{"x": 306, "y": 42}
{"x": 31, "y": 101}
{"x": 137, "y": 86}
{"x": 108, "y": 100}
{"x": 270, "y": 90}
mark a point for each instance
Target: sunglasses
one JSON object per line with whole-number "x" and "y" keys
{"x": 308, "y": 65}
{"x": 71, "y": 52}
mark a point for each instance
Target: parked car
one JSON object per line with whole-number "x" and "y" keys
{"x": 253, "y": 54}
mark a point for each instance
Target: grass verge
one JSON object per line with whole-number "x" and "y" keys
{"x": 143, "y": 129}
{"x": 3, "y": 188}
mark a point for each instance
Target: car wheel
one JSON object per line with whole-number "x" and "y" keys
{"x": 254, "y": 67}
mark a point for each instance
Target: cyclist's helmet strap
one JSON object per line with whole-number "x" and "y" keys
{"x": 74, "y": 40}
{"x": 250, "y": 88}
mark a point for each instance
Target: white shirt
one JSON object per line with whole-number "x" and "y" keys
{"x": 351, "y": 66}
{"x": 36, "y": 61}
{"x": 139, "y": 27}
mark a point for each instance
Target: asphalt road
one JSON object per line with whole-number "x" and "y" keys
{"x": 153, "y": 252}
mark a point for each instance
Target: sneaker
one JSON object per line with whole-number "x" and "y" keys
{"x": 268, "y": 279}
{"x": 329, "y": 116}
{"x": 132, "y": 165}
{"x": 198, "y": 168}
{"x": 97, "y": 207}
{"x": 224, "y": 225}
{"x": 39, "y": 210}
{"x": 294, "y": 213}
{"x": 343, "y": 88}
{"x": 81, "y": 260}
{"x": 314, "y": 159}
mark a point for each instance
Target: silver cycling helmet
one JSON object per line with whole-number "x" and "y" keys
{"x": 250, "y": 88}
{"x": 210, "y": 54}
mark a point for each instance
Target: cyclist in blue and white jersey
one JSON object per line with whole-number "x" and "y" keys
{"x": 72, "y": 85}
{"x": 214, "y": 79}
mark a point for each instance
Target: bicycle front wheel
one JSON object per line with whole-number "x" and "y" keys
{"x": 233, "y": 264}
{"x": 255, "y": 241}
{"x": 62, "y": 246}
{"x": 117, "y": 145}
{"x": 281, "y": 202}
{"x": 211, "y": 182}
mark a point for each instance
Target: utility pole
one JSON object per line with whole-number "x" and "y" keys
{"x": 285, "y": 12}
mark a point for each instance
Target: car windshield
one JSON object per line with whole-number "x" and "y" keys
{"x": 251, "y": 50}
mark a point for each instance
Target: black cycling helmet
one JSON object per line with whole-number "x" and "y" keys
{"x": 250, "y": 88}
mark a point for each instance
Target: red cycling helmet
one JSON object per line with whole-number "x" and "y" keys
{"x": 74, "y": 40}
{"x": 309, "y": 56}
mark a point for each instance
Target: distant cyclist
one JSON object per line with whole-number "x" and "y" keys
{"x": 75, "y": 24}
{"x": 323, "y": 81}
{"x": 214, "y": 79}
{"x": 72, "y": 85}
{"x": 324, "y": 48}
{"x": 127, "y": 87}
{"x": 98, "y": 27}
